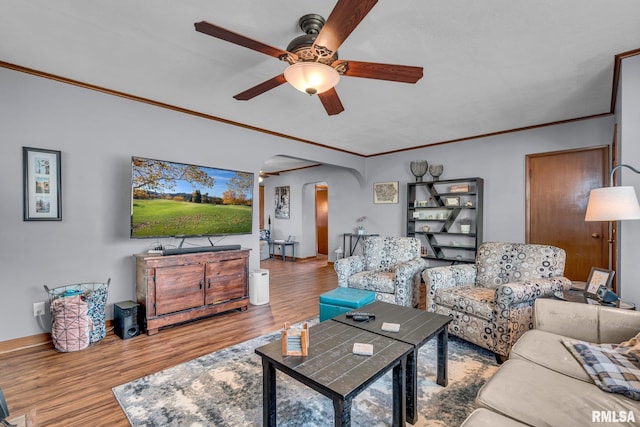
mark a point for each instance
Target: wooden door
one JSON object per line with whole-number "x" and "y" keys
{"x": 558, "y": 186}
{"x": 322, "y": 219}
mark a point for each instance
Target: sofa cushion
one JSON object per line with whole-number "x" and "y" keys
{"x": 482, "y": 417}
{"x": 474, "y": 300}
{"x": 546, "y": 349}
{"x": 539, "y": 396}
{"x": 377, "y": 281}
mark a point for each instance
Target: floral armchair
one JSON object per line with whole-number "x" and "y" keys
{"x": 389, "y": 266}
{"x": 491, "y": 301}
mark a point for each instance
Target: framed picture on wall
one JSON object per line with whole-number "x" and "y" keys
{"x": 42, "y": 184}
{"x": 385, "y": 192}
{"x": 282, "y": 202}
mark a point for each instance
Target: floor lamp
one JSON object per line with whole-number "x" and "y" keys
{"x": 613, "y": 204}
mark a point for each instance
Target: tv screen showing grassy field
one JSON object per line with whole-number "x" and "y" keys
{"x": 176, "y": 199}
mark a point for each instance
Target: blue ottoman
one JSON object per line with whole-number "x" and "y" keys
{"x": 341, "y": 300}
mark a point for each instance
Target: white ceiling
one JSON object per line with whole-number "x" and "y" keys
{"x": 489, "y": 65}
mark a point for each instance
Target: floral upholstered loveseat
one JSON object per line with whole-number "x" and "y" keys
{"x": 491, "y": 301}
{"x": 389, "y": 266}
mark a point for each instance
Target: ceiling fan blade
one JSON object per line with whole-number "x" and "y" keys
{"x": 261, "y": 88}
{"x": 331, "y": 102}
{"x": 232, "y": 37}
{"x": 372, "y": 70}
{"x": 344, "y": 18}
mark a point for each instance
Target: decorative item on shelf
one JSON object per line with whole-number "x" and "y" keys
{"x": 416, "y": 215}
{"x": 469, "y": 204}
{"x": 422, "y": 203}
{"x": 452, "y": 201}
{"x": 295, "y": 342}
{"x": 459, "y": 188}
{"x": 360, "y": 222}
{"x": 418, "y": 169}
{"x": 423, "y": 251}
{"x": 426, "y": 228}
{"x": 465, "y": 225}
{"x": 436, "y": 171}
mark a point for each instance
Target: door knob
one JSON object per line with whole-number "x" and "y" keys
{"x": 596, "y": 235}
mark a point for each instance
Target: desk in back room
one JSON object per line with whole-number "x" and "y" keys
{"x": 353, "y": 244}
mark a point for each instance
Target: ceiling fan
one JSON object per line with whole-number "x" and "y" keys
{"x": 314, "y": 66}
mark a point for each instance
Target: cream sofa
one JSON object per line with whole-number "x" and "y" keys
{"x": 542, "y": 384}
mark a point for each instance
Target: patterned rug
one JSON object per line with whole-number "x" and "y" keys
{"x": 224, "y": 389}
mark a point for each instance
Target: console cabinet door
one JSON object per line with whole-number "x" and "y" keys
{"x": 226, "y": 280}
{"x": 179, "y": 288}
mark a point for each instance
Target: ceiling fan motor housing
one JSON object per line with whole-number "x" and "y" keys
{"x": 311, "y": 24}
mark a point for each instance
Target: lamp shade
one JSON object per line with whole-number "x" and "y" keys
{"x": 612, "y": 204}
{"x": 311, "y": 77}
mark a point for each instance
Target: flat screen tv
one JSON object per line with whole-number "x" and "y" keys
{"x": 170, "y": 199}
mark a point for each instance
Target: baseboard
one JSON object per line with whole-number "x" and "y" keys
{"x": 32, "y": 341}
{"x": 24, "y": 342}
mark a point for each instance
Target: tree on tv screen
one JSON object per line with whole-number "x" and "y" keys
{"x": 160, "y": 177}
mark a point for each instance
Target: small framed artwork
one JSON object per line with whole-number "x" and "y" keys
{"x": 598, "y": 277}
{"x": 452, "y": 201}
{"x": 385, "y": 192}
{"x": 282, "y": 202}
{"x": 42, "y": 184}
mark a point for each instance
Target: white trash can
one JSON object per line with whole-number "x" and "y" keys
{"x": 259, "y": 286}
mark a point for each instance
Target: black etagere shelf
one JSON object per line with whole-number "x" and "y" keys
{"x": 446, "y": 216}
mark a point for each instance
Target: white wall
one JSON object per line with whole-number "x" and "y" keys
{"x": 628, "y": 115}
{"x": 344, "y": 191}
{"x": 98, "y": 134}
{"x": 499, "y": 160}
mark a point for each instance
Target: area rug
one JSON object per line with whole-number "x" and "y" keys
{"x": 224, "y": 389}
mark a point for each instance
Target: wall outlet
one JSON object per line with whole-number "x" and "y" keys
{"x": 38, "y": 309}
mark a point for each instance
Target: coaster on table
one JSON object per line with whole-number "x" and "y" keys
{"x": 391, "y": 327}
{"x": 363, "y": 349}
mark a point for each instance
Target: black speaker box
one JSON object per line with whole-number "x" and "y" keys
{"x": 125, "y": 319}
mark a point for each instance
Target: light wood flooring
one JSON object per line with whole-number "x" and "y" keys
{"x": 74, "y": 389}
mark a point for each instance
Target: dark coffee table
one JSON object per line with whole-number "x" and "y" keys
{"x": 333, "y": 370}
{"x": 416, "y": 328}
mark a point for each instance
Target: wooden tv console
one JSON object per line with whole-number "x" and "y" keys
{"x": 173, "y": 289}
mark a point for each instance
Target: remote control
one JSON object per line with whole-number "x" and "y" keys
{"x": 361, "y": 318}
{"x": 360, "y": 313}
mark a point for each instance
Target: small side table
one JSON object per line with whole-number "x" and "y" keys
{"x": 574, "y": 295}
{"x": 283, "y": 248}
{"x": 353, "y": 244}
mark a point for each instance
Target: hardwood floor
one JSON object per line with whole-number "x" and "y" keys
{"x": 74, "y": 389}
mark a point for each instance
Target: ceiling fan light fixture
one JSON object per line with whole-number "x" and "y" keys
{"x": 311, "y": 77}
